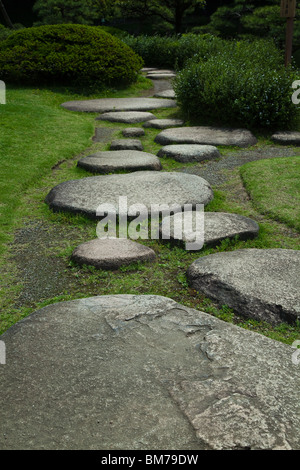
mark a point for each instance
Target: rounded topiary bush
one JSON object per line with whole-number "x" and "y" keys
{"x": 246, "y": 85}
{"x": 67, "y": 54}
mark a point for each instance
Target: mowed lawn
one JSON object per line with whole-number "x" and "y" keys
{"x": 35, "y": 133}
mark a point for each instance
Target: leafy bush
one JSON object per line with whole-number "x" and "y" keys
{"x": 160, "y": 51}
{"x": 245, "y": 84}
{"x": 67, "y": 54}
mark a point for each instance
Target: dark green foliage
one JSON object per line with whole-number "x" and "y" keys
{"x": 160, "y": 51}
{"x": 67, "y": 54}
{"x": 245, "y": 84}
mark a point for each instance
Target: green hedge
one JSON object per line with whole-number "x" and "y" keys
{"x": 173, "y": 52}
{"x": 245, "y": 84}
{"x": 67, "y": 54}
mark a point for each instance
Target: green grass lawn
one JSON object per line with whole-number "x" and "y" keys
{"x": 36, "y": 133}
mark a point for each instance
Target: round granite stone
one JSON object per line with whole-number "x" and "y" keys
{"x": 129, "y": 117}
{"x": 103, "y": 105}
{"x": 116, "y": 160}
{"x": 189, "y": 152}
{"x": 163, "y": 123}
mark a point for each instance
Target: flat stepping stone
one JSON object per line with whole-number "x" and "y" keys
{"x": 255, "y": 283}
{"x": 125, "y": 371}
{"x": 104, "y": 105}
{"x": 126, "y": 144}
{"x": 84, "y": 195}
{"x": 217, "y": 226}
{"x": 163, "y": 123}
{"x": 189, "y": 152}
{"x": 116, "y": 160}
{"x": 160, "y": 76}
{"x": 111, "y": 253}
{"x": 129, "y": 117}
{"x": 286, "y": 138}
{"x": 133, "y": 132}
{"x": 160, "y": 71}
{"x": 206, "y": 135}
{"x": 165, "y": 94}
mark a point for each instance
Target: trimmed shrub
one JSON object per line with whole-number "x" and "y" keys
{"x": 245, "y": 85}
{"x": 67, "y": 54}
{"x": 173, "y": 52}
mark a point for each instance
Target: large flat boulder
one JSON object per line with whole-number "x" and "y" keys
{"x": 187, "y": 153}
{"x": 130, "y": 372}
{"x": 130, "y": 117}
{"x": 117, "y": 160}
{"x": 216, "y": 227}
{"x": 206, "y": 135}
{"x": 163, "y": 123}
{"x": 262, "y": 284}
{"x": 142, "y": 187}
{"x": 103, "y": 105}
{"x": 111, "y": 253}
{"x": 286, "y": 138}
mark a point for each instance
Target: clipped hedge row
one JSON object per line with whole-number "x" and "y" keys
{"x": 67, "y": 54}
{"x": 173, "y": 52}
{"x": 244, "y": 85}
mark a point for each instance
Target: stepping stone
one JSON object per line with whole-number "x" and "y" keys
{"x": 111, "y": 253}
{"x": 148, "y": 69}
{"x": 189, "y": 152}
{"x": 286, "y": 138}
{"x": 116, "y": 160}
{"x": 104, "y": 105}
{"x": 133, "y": 132}
{"x": 160, "y": 76}
{"x": 84, "y": 195}
{"x": 206, "y": 135}
{"x": 165, "y": 94}
{"x": 129, "y": 117}
{"x": 160, "y": 71}
{"x": 126, "y": 144}
{"x": 144, "y": 372}
{"x": 163, "y": 123}
{"x": 217, "y": 226}
{"x": 255, "y": 283}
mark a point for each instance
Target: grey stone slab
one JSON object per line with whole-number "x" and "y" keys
{"x": 160, "y": 76}
{"x": 129, "y": 117}
{"x": 111, "y": 253}
{"x": 141, "y": 187}
{"x": 160, "y": 71}
{"x": 116, "y": 160}
{"x": 126, "y": 144}
{"x": 262, "y": 284}
{"x": 165, "y": 94}
{"x": 186, "y": 153}
{"x": 216, "y": 226}
{"x": 206, "y": 135}
{"x": 133, "y": 132}
{"x": 131, "y": 372}
{"x": 163, "y": 123}
{"x": 286, "y": 138}
{"x": 103, "y": 105}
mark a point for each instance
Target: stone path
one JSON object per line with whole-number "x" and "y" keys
{"x": 124, "y": 371}
{"x": 117, "y": 160}
{"x": 129, "y": 372}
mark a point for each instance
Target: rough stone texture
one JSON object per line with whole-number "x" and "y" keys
{"x": 141, "y": 187}
{"x": 111, "y": 253}
{"x": 286, "y": 138}
{"x": 189, "y": 152}
{"x": 160, "y": 71}
{"x": 103, "y": 134}
{"x": 129, "y": 372}
{"x": 256, "y": 283}
{"x": 115, "y": 160}
{"x": 129, "y": 117}
{"x": 126, "y": 144}
{"x": 206, "y": 135}
{"x": 159, "y": 76}
{"x": 133, "y": 132}
{"x": 217, "y": 227}
{"x": 118, "y": 104}
{"x": 163, "y": 123}
{"x": 165, "y": 94}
